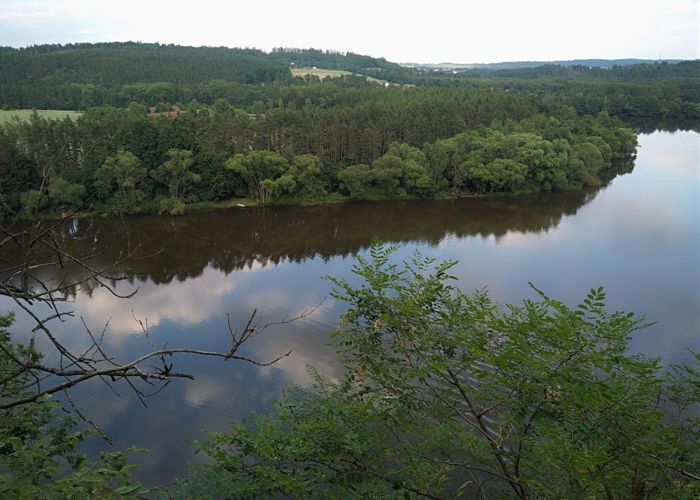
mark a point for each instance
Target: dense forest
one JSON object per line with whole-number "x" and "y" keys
{"x": 80, "y": 76}
{"x": 395, "y": 144}
{"x": 165, "y": 126}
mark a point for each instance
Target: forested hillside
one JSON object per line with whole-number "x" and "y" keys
{"x": 113, "y": 64}
{"x": 80, "y": 76}
{"x": 655, "y": 91}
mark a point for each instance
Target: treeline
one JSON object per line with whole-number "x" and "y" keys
{"x": 397, "y": 144}
{"x": 113, "y": 64}
{"x": 78, "y": 76}
{"x": 331, "y": 59}
{"x": 652, "y": 91}
{"x": 626, "y": 72}
{"x": 657, "y": 91}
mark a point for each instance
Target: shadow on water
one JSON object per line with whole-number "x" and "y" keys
{"x": 167, "y": 248}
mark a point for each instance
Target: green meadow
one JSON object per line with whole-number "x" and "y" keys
{"x": 24, "y": 114}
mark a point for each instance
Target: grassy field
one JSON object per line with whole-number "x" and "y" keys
{"x": 24, "y": 114}
{"x": 328, "y": 73}
{"x": 321, "y": 73}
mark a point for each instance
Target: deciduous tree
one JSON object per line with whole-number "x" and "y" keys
{"x": 261, "y": 171}
{"x": 177, "y": 176}
{"x": 119, "y": 180}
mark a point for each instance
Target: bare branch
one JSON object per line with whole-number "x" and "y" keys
{"x": 30, "y": 246}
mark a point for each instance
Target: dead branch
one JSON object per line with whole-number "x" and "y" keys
{"x": 28, "y": 246}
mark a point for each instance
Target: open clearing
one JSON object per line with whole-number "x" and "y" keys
{"x": 329, "y": 73}
{"x": 24, "y": 114}
{"x": 321, "y": 73}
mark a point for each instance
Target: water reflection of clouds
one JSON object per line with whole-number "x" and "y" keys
{"x": 311, "y": 348}
{"x": 307, "y": 337}
{"x": 674, "y": 153}
{"x": 191, "y": 301}
{"x": 103, "y": 411}
{"x": 206, "y": 391}
{"x": 643, "y": 220}
{"x": 531, "y": 241}
{"x": 204, "y": 301}
{"x": 268, "y": 300}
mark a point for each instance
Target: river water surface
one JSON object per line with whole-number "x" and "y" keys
{"x": 637, "y": 237}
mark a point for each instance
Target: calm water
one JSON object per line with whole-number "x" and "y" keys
{"x": 637, "y": 237}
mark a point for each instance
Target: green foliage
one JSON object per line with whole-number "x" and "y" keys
{"x": 38, "y": 441}
{"x": 176, "y": 174}
{"x": 356, "y": 179}
{"x": 66, "y": 195}
{"x": 33, "y": 202}
{"x": 172, "y": 206}
{"x": 310, "y": 177}
{"x": 217, "y": 181}
{"x": 81, "y": 75}
{"x": 263, "y": 172}
{"x": 537, "y": 154}
{"x": 313, "y": 447}
{"x": 499, "y": 175}
{"x": 276, "y": 187}
{"x": 17, "y": 173}
{"x": 119, "y": 181}
{"x": 449, "y": 394}
{"x": 402, "y": 169}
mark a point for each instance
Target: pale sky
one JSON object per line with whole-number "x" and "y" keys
{"x": 402, "y": 31}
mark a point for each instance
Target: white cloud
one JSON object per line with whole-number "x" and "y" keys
{"x": 401, "y": 31}
{"x": 25, "y": 15}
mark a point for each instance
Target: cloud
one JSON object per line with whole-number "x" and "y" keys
{"x": 27, "y": 16}
{"x": 61, "y": 21}
{"x": 455, "y": 31}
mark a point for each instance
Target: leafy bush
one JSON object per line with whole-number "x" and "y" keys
{"x": 447, "y": 393}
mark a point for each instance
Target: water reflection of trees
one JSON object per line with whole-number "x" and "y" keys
{"x": 648, "y": 125}
{"x": 180, "y": 248}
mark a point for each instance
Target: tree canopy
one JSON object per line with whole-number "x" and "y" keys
{"x": 137, "y": 162}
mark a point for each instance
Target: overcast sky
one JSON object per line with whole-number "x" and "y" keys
{"x": 402, "y": 31}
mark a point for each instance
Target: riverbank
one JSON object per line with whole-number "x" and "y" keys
{"x": 603, "y": 176}
{"x": 153, "y": 207}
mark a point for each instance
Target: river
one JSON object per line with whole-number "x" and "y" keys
{"x": 637, "y": 236}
